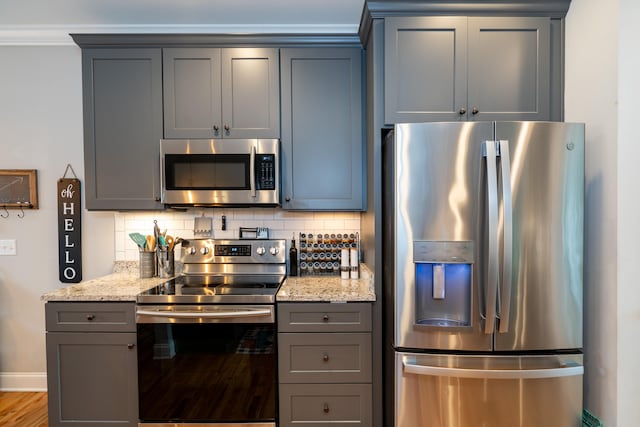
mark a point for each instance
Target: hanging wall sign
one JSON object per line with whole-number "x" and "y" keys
{"x": 69, "y": 229}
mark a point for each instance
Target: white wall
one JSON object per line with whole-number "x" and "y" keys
{"x": 628, "y": 214}
{"x": 602, "y": 89}
{"x": 40, "y": 128}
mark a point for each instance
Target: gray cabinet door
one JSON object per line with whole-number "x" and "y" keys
{"x": 191, "y": 83}
{"x": 509, "y": 68}
{"x": 250, "y": 93}
{"x": 122, "y": 94}
{"x": 458, "y": 68}
{"x": 322, "y": 132}
{"x": 425, "y": 69}
{"x": 221, "y": 93}
{"x": 92, "y": 379}
{"x": 325, "y": 405}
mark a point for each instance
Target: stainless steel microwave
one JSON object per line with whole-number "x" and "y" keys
{"x": 220, "y": 172}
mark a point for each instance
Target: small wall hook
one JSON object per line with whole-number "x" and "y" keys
{"x": 6, "y": 212}
{"x": 21, "y": 213}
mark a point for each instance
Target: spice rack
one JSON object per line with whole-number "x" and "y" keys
{"x": 320, "y": 253}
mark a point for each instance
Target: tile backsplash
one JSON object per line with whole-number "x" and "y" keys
{"x": 281, "y": 224}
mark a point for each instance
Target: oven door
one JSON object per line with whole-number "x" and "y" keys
{"x": 208, "y": 365}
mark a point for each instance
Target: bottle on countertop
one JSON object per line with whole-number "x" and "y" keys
{"x": 293, "y": 258}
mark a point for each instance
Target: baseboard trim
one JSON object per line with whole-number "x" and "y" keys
{"x": 23, "y": 381}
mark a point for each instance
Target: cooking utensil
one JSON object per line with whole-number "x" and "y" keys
{"x": 139, "y": 240}
{"x": 170, "y": 242}
{"x": 151, "y": 243}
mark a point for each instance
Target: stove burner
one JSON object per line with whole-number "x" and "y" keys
{"x": 214, "y": 289}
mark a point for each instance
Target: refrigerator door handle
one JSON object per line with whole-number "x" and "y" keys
{"x": 507, "y": 238}
{"x": 570, "y": 369}
{"x": 490, "y": 154}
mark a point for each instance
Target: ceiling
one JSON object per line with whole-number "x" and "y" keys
{"x": 49, "y": 21}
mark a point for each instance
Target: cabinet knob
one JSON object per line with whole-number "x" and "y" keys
{"x": 325, "y": 318}
{"x": 226, "y": 128}
{"x": 325, "y": 357}
{"x": 216, "y": 128}
{"x": 90, "y": 317}
{"x": 157, "y": 199}
{"x": 462, "y": 111}
{"x": 475, "y": 111}
{"x": 287, "y": 199}
{"x": 325, "y": 408}
{"x": 130, "y": 346}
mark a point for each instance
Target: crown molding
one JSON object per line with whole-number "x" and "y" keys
{"x": 59, "y": 35}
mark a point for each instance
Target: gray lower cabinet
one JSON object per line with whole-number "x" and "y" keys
{"x": 323, "y": 151}
{"x": 122, "y": 98}
{"x": 91, "y": 364}
{"x": 221, "y": 93}
{"x": 324, "y": 364}
{"x": 440, "y": 68}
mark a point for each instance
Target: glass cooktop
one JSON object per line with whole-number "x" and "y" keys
{"x": 214, "y": 289}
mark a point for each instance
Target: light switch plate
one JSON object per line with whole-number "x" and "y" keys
{"x": 8, "y": 247}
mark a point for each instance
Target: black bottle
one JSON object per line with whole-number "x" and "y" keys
{"x": 293, "y": 259}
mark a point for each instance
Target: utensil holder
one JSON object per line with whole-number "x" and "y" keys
{"x": 166, "y": 266}
{"x": 147, "y": 264}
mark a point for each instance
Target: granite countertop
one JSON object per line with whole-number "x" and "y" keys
{"x": 124, "y": 284}
{"x": 328, "y": 288}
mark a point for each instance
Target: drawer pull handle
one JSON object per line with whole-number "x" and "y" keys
{"x": 130, "y": 346}
{"x": 90, "y": 317}
{"x": 325, "y": 409}
{"x": 325, "y": 317}
{"x": 325, "y": 357}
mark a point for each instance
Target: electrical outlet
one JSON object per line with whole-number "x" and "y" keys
{"x": 8, "y": 247}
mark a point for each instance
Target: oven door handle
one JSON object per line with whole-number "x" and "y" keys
{"x": 205, "y": 314}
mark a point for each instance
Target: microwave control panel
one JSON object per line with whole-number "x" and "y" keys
{"x": 265, "y": 172}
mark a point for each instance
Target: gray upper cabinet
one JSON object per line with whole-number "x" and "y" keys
{"x": 122, "y": 98}
{"x": 221, "y": 93}
{"x": 467, "y": 68}
{"x": 322, "y": 130}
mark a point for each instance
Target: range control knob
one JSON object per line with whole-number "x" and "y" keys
{"x": 192, "y": 250}
{"x": 260, "y": 250}
{"x": 273, "y": 250}
{"x": 204, "y": 250}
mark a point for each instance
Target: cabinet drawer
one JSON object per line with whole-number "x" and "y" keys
{"x": 322, "y": 317}
{"x": 324, "y": 358}
{"x": 319, "y": 405}
{"x": 90, "y": 317}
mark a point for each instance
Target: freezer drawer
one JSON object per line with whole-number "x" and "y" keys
{"x": 496, "y": 391}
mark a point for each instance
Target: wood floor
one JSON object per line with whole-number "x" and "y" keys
{"x": 18, "y": 409}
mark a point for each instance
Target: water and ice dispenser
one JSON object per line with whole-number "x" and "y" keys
{"x": 444, "y": 283}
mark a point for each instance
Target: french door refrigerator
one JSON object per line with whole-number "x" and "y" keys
{"x": 482, "y": 271}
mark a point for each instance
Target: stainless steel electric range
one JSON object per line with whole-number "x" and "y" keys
{"x": 206, "y": 339}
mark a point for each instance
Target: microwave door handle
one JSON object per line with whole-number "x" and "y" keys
{"x": 252, "y": 171}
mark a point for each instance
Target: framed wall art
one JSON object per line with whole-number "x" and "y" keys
{"x": 18, "y": 188}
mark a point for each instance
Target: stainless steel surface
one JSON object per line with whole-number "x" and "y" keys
{"x": 492, "y": 237}
{"x": 205, "y": 314}
{"x": 206, "y": 425}
{"x": 496, "y": 391}
{"x": 215, "y": 271}
{"x": 240, "y": 197}
{"x": 442, "y": 190}
{"x": 547, "y": 180}
{"x": 504, "y": 298}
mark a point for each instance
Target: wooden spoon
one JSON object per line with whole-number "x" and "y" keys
{"x": 151, "y": 243}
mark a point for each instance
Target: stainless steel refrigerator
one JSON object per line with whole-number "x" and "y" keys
{"x": 482, "y": 270}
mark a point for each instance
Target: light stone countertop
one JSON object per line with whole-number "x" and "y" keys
{"x": 328, "y": 288}
{"x": 124, "y": 284}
